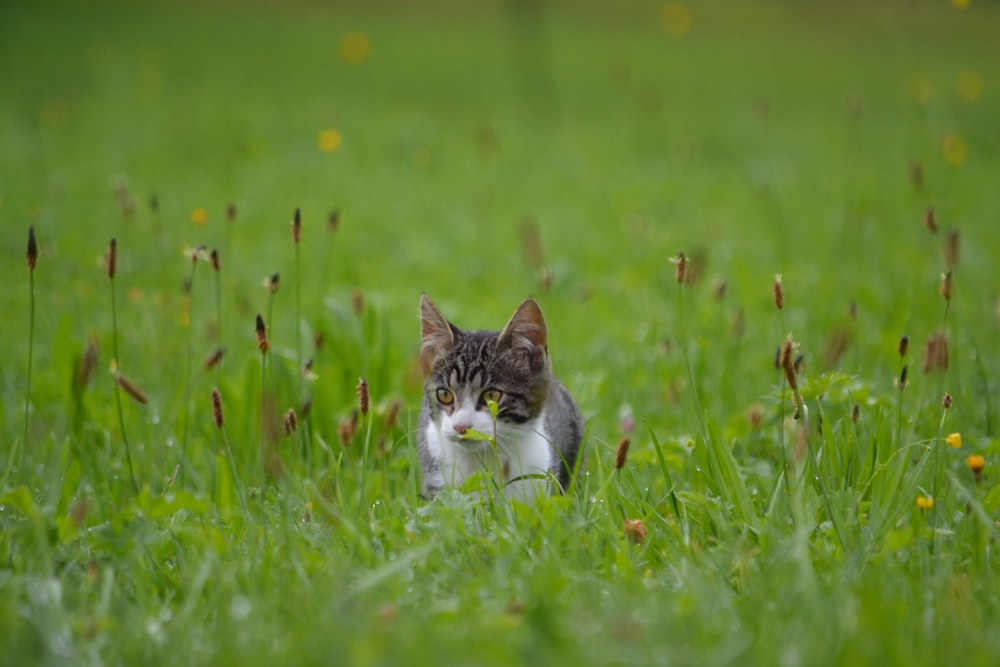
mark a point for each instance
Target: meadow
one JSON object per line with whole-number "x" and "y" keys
{"x": 763, "y": 235}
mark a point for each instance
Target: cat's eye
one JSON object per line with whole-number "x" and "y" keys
{"x": 492, "y": 395}
{"x": 444, "y": 396}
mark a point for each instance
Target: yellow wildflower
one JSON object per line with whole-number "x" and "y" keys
{"x": 976, "y": 463}
{"x": 199, "y": 216}
{"x": 329, "y": 141}
{"x": 954, "y": 440}
{"x": 925, "y": 502}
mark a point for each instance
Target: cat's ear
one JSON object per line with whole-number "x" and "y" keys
{"x": 437, "y": 333}
{"x": 526, "y": 330}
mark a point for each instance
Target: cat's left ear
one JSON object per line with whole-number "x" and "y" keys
{"x": 437, "y": 334}
{"x": 526, "y": 330}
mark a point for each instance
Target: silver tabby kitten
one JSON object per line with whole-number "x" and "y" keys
{"x": 538, "y": 426}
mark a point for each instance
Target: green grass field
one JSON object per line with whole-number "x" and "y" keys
{"x": 482, "y": 153}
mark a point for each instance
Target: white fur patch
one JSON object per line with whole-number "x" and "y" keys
{"x": 522, "y": 450}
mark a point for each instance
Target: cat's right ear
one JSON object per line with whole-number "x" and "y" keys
{"x": 437, "y": 333}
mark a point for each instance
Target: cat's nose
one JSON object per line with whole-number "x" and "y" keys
{"x": 460, "y": 428}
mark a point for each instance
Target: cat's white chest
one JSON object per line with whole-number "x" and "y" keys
{"x": 520, "y": 462}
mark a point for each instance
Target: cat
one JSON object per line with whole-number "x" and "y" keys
{"x": 538, "y": 426}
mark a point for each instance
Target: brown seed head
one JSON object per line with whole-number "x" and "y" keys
{"x": 787, "y": 358}
{"x": 213, "y": 359}
{"x": 217, "y": 408}
{"x": 274, "y": 283}
{"x": 216, "y": 260}
{"x": 930, "y": 220}
{"x": 319, "y": 340}
{"x": 291, "y": 421}
{"x": 681, "y": 267}
{"x": 88, "y": 362}
{"x": 936, "y": 353}
{"x": 904, "y": 345}
{"x": 347, "y": 428}
{"x": 916, "y": 174}
{"x": 946, "y": 285}
{"x": 902, "y": 377}
{"x": 32, "y": 254}
{"x": 358, "y": 301}
{"x": 231, "y": 212}
{"x": 363, "y": 397}
{"x": 111, "y": 260}
{"x": 946, "y": 401}
{"x": 333, "y": 220}
{"x": 131, "y": 389}
{"x": 392, "y": 414}
{"x": 306, "y": 408}
{"x": 951, "y": 250}
{"x": 262, "y": 342}
{"x": 779, "y": 293}
{"x": 621, "y": 454}
{"x": 297, "y": 226}
{"x": 856, "y": 413}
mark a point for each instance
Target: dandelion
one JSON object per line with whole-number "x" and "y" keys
{"x": 199, "y": 216}
{"x": 779, "y": 293}
{"x": 925, "y": 502}
{"x": 329, "y": 140}
{"x": 354, "y": 47}
{"x": 976, "y": 463}
{"x": 675, "y": 19}
{"x": 954, "y": 150}
{"x": 635, "y": 530}
{"x": 954, "y": 440}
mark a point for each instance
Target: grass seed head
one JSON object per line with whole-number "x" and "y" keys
{"x": 946, "y": 401}
{"x": 230, "y": 212}
{"x": 215, "y": 260}
{"x": 297, "y": 226}
{"x": 262, "y": 342}
{"x": 291, "y": 421}
{"x": 680, "y": 269}
{"x": 930, "y": 220}
{"x": 217, "y": 408}
{"x": 86, "y": 365}
{"x": 902, "y": 377}
{"x": 306, "y": 408}
{"x": 111, "y": 259}
{"x": 936, "y": 354}
{"x": 786, "y": 357}
{"x": 32, "y": 253}
{"x": 779, "y": 293}
{"x": 333, "y": 221}
{"x": 856, "y": 413}
{"x": 131, "y": 389}
{"x": 358, "y": 302}
{"x": 904, "y": 345}
{"x": 916, "y": 174}
{"x": 951, "y": 250}
{"x": 213, "y": 359}
{"x": 946, "y": 286}
{"x": 273, "y": 283}
{"x": 364, "y": 400}
{"x": 621, "y": 454}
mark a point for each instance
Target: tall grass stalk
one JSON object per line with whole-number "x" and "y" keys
{"x": 216, "y": 262}
{"x": 32, "y": 258}
{"x": 218, "y": 418}
{"x": 304, "y": 438}
{"x": 263, "y": 344}
{"x": 111, "y": 266}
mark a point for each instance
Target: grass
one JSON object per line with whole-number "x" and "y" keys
{"x": 481, "y": 158}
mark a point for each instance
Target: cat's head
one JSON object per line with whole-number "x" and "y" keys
{"x": 464, "y": 370}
